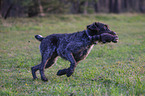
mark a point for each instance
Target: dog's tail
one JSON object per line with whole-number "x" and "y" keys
{"x": 39, "y": 37}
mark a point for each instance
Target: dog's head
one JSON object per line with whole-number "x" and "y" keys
{"x": 98, "y": 28}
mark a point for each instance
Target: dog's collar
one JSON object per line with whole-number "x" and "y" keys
{"x": 90, "y": 37}
{"x": 97, "y": 37}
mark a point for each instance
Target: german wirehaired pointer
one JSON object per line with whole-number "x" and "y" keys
{"x": 73, "y": 47}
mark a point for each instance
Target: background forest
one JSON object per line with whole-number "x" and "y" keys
{"x": 30, "y": 8}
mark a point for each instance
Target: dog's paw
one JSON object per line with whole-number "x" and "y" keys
{"x": 33, "y": 73}
{"x": 34, "y": 78}
{"x": 44, "y": 79}
{"x": 69, "y": 72}
{"x": 61, "y": 72}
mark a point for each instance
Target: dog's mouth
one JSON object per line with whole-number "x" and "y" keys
{"x": 115, "y": 36}
{"x": 115, "y": 40}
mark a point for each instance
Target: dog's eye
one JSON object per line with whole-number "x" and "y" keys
{"x": 105, "y": 27}
{"x": 102, "y": 29}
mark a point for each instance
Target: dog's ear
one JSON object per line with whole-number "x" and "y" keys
{"x": 88, "y": 26}
{"x": 107, "y": 26}
{"x": 97, "y": 24}
{"x": 93, "y": 27}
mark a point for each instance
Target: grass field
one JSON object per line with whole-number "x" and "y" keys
{"x": 109, "y": 70}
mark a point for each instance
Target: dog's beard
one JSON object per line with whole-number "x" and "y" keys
{"x": 107, "y": 38}
{"x": 115, "y": 40}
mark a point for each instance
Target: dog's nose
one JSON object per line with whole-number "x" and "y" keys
{"x": 115, "y": 39}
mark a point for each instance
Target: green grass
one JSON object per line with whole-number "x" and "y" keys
{"x": 109, "y": 70}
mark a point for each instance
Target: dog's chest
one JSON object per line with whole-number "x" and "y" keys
{"x": 83, "y": 54}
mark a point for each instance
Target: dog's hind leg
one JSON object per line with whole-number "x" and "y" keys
{"x": 51, "y": 61}
{"x": 34, "y": 69}
{"x": 46, "y": 62}
{"x": 42, "y": 67}
{"x": 46, "y": 58}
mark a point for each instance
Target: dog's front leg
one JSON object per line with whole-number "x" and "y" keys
{"x": 69, "y": 71}
{"x": 72, "y": 65}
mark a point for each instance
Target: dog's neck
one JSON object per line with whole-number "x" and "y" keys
{"x": 90, "y": 37}
{"x": 93, "y": 39}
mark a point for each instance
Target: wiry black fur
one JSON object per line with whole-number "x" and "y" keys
{"x": 72, "y": 47}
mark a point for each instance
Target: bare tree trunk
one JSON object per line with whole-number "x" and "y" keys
{"x": 33, "y": 10}
{"x": 101, "y": 6}
{"x": 111, "y": 6}
{"x": 106, "y": 5}
{"x": 41, "y": 8}
{"x": 75, "y": 8}
{"x": 85, "y": 7}
{"x": 8, "y": 11}
{"x": 117, "y": 6}
{"x": 96, "y": 6}
{"x": 123, "y": 6}
{"x": 142, "y": 6}
{"x": 0, "y": 8}
{"x": 6, "y": 7}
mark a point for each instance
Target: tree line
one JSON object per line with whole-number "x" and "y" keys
{"x": 30, "y": 8}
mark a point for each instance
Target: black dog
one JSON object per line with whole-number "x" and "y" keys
{"x": 72, "y": 47}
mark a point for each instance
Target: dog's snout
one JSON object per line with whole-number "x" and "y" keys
{"x": 113, "y": 33}
{"x": 115, "y": 39}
